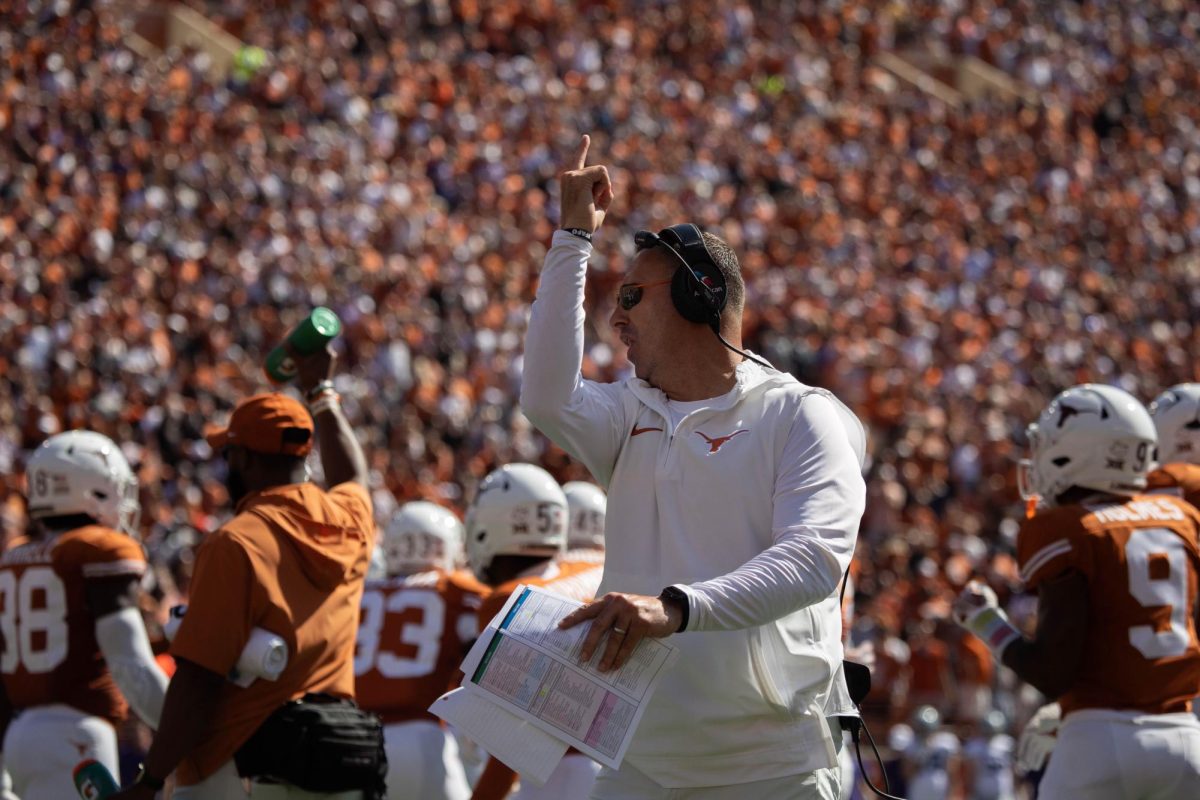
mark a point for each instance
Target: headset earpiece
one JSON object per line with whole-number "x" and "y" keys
{"x": 693, "y": 300}
{"x": 697, "y": 287}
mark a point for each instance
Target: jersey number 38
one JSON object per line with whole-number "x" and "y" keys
{"x": 33, "y": 621}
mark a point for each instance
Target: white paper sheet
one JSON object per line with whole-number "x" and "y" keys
{"x": 519, "y": 744}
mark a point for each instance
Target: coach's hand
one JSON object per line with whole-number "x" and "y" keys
{"x": 625, "y": 619}
{"x": 585, "y": 193}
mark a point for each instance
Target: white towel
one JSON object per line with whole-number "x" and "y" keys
{"x": 264, "y": 656}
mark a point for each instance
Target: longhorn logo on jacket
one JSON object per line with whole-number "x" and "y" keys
{"x": 716, "y": 444}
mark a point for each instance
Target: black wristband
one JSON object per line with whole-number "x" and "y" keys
{"x": 679, "y": 599}
{"x": 146, "y": 779}
{"x": 580, "y": 232}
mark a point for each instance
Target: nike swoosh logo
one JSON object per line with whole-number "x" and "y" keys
{"x": 639, "y": 431}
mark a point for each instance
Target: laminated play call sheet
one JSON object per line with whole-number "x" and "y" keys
{"x": 527, "y": 666}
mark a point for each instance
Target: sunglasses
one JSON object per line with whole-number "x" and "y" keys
{"x": 630, "y": 294}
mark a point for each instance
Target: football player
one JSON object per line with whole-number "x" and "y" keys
{"x": 74, "y": 654}
{"x": 517, "y": 534}
{"x": 1176, "y": 414}
{"x": 416, "y": 626}
{"x": 1115, "y": 571}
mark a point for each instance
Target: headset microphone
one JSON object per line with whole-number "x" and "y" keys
{"x": 698, "y": 288}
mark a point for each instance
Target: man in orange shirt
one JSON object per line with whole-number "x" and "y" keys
{"x": 292, "y": 562}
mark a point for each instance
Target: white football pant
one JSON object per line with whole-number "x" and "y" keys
{"x": 1115, "y": 755}
{"x": 423, "y": 763}
{"x": 44, "y": 744}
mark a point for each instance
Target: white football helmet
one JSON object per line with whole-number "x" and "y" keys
{"x": 519, "y": 510}
{"x": 1092, "y": 436}
{"x": 587, "y": 504}
{"x": 83, "y": 472}
{"x": 1176, "y": 414}
{"x": 585, "y": 523}
{"x": 422, "y": 536}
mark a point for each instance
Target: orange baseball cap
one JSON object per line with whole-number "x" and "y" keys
{"x": 271, "y": 423}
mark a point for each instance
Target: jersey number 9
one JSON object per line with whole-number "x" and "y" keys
{"x": 1158, "y": 576}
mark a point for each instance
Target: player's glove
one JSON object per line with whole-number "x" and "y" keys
{"x": 1038, "y": 738}
{"x": 978, "y": 610}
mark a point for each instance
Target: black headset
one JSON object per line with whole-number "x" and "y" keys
{"x": 698, "y": 288}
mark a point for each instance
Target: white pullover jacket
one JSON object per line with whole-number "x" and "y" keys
{"x": 751, "y": 506}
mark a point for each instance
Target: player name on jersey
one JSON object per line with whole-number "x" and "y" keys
{"x": 32, "y": 553}
{"x": 1138, "y": 511}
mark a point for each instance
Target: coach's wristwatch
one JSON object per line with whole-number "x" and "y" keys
{"x": 678, "y": 598}
{"x": 149, "y": 781}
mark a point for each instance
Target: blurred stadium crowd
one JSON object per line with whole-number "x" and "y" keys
{"x": 944, "y": 271}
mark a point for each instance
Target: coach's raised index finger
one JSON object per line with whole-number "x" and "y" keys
{"x": 581, "y": 154}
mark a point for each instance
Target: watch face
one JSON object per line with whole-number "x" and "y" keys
{"x": 674, "y": 594}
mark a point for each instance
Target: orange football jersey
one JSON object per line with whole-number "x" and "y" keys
{"x": 577, "y": 580}
{"x": 583, "y": 555}
{"x": 1141, "y": 559}
{"x": 1181, "y": 480}
{"x": 48, "y": 650}
{"x": 412, "y": 636}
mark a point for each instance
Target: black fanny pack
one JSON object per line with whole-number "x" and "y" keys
{"x": 319, "y": 743}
